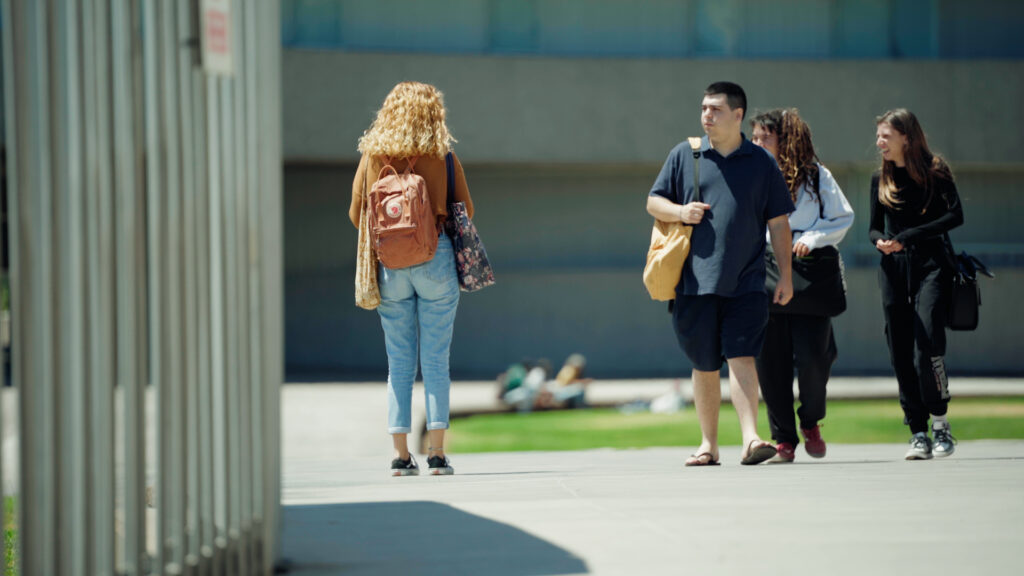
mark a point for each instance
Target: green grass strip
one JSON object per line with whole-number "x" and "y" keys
{"x": 847, "y": 422}
{"x": 10, "y": 537}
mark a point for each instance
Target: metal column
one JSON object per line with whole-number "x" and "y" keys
{"x": 145, "y": 238}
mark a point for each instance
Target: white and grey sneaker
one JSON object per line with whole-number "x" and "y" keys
{"x": 944, "y": 443}
{"x": 401, "y": 467}
{"x": 920, "y": 447}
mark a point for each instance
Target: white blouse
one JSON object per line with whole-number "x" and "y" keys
{"x": 806, "y": 222}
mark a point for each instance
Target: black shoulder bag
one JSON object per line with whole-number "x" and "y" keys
{"x": 819, "y": 284}
{"x": 965, "y": 294}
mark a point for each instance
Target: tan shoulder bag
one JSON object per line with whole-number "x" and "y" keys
{"x": 670, "y": 245}
{"x": 367, "y": 291}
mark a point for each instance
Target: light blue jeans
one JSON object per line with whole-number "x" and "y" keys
{"x": 417, "y": 312}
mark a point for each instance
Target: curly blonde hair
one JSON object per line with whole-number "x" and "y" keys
{"x": 410, "y": 123}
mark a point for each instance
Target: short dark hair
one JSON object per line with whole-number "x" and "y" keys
{"x": 734, "y": 94}
{"x": 770, "y": 121}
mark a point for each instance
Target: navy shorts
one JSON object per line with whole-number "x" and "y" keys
{"x": 713, "y": 328}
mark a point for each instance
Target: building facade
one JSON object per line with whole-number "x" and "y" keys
{"x": 564, "y": 112}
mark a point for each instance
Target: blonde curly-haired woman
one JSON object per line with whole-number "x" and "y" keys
{"x": 418, "y": 303}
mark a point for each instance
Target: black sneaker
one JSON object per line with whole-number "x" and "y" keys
{"x": 440, "y": 466}
{"x": 944, "y": 443}
{"x": 920, "y": 447}
{"x": 401, "y": 467}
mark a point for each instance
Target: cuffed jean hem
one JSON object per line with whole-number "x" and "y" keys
{"x": 399, "y": 430}
{"x": 437, "y": 426}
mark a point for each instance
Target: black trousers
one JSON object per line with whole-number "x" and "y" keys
{"x": 807, "y": 342}
{"x": 915, "y": 299}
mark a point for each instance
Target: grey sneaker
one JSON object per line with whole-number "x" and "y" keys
{"x": 920, "y": 447}
{"x": 945, "y": 443}
{"x": 401, "y": 467}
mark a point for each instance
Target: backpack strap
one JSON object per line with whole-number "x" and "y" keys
{"x": 695, "y": 145}
{"x": 411, "y": 163}
{"x": 817, "y": 193}
{"x": 385, "y": 168}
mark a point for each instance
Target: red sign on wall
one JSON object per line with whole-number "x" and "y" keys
{"x": 216, "y": 23}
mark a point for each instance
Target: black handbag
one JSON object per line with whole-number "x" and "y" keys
{"x": 965, "y": 294}
{"x": 819, "y": 281}
{"x": 819, "y": 284}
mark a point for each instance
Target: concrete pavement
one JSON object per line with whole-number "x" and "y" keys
{"x": 861, "y": 510}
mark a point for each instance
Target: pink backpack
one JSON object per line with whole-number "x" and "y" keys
{"x": 402, "y": 220}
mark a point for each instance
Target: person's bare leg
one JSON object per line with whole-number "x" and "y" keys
{"x": 707, "y": 395}
{"x": 436, "y": 447}
{"x": 744, "y": 389}
{"x": 401, "y": 443}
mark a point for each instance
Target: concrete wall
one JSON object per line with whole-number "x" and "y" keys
{"x": 560, "y": 154}
{"x": 552, "y": 110}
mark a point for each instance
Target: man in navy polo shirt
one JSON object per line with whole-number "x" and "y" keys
{"x": 721, "y": 308}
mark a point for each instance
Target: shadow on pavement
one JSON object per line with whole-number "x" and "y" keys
{"x": 413, "y": 538}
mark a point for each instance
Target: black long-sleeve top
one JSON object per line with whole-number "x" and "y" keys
{"x": 906, "y": 224}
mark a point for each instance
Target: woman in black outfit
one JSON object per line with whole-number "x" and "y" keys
{"x": 914, "y": 203}
{"x": 800, "y": 336}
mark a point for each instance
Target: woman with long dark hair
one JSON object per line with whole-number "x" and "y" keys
{"x": 800, "y": 335}
{"x": 914, "y": 204}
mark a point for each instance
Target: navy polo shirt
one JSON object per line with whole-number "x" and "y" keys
{"x": 745, "y": 190}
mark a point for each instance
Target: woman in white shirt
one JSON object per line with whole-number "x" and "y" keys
{"x": 802, "y": 334}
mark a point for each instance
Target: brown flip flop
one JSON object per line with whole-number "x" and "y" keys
{"x": 696, "y": 460}
{"x": 756, "y": 455}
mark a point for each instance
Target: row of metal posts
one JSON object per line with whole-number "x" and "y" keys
{"x": 146, "y": 291}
